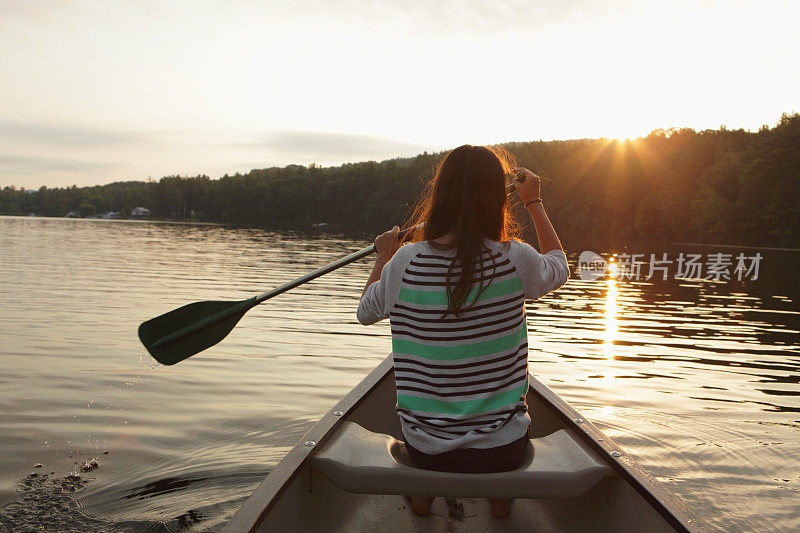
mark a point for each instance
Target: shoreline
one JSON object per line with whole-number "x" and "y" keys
{"x": 331, "y": 230}
{"x": 769, "y": 248}
{"x": 98, "y": 219}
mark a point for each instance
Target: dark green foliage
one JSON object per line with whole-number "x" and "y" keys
{"x": 713, "y": 186}
{"x": 87, "y": 210}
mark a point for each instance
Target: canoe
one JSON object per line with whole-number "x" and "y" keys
{"x": 348, "y": 473}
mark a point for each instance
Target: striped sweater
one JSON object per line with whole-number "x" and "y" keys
{"x": 461, "y": 380}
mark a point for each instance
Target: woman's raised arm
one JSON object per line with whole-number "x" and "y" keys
{"x": 529, "y": 192}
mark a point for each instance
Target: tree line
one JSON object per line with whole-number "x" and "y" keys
{"x": 714, "y": 186}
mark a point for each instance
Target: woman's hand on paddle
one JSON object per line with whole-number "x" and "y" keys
{"x": 530, "y": 188}
{"x": 387, "y": 243}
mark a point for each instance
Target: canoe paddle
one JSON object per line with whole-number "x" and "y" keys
{"x": 183, "y": 332}
{"x": 179, "y": 334}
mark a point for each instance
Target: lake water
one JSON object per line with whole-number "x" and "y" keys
{"x": 697, "y": 379}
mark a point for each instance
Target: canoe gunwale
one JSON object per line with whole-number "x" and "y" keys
{"x": 669, "y": 506}
{"x": 255, "y": 509}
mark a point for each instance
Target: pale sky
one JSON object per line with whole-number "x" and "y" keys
{"x": 100, "y": 91}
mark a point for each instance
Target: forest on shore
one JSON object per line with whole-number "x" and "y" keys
{"x": 681, "y": 185}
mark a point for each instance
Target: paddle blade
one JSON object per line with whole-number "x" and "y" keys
{"x": 179, "y": 334}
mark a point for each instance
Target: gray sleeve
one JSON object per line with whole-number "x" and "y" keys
{"x": 540, "y": 273}
{"x": 381, "y": 296}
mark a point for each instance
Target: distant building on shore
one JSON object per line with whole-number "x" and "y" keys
{"x": 73, "y": 214}
{"x": 140, "y": 212}
{"x": 111, "y": 214}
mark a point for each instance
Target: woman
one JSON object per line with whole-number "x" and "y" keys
{"x": 455, "y": 301}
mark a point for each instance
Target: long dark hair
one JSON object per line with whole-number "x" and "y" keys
{"x": 467, "y": 196}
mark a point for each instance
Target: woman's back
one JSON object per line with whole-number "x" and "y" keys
{"x": 461, "y": 378}
{"x": 456, "y": 305}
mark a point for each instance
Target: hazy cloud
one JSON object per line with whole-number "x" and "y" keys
{"x": 12, "y": 164}
{"x": 84, "y": 156}
{"x": 499, "y": 16}
{"x": 67, "y": 135}
{"x": 337, "y": 146}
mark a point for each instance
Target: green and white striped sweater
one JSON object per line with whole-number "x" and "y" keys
{"x": 461, "y": 380}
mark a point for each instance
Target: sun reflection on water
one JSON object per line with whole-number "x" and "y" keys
{"x": 610, "y": 313}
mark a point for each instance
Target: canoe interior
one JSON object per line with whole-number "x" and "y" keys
{"x": 298, "y": 497}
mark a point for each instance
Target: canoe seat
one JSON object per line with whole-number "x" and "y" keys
{"x": 559, "y": 465}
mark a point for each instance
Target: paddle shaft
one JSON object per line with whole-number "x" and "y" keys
{"x": 355, "y": 256}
